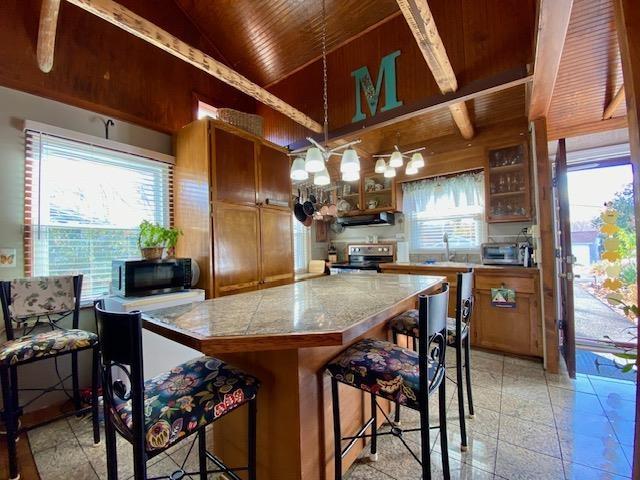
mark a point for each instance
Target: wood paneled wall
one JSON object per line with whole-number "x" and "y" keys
{"x": 102, "y": 68}
{"x": 483, "y": 38}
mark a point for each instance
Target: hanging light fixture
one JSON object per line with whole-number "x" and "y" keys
{"x": 317, "y": 155}
{"x": 411, "y": 168}
{"x": 396, "y": 159}
{"x": 418, "y": 160}
{"x": 389, "y": 172}
{"x": 298, "y": 171}
{"x": 350, "y": 176}
{"x": 381, "y": 166}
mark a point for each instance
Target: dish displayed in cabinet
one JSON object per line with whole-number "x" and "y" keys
{"x": 508, "y": 191}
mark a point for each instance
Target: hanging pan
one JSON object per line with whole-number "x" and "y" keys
{"x": 298, "y": 210}
{"x": 308, "y": 205}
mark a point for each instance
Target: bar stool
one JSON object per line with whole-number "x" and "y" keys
{"x": 30, "y": 304}
{"x": 407, "y": 377}
{"x": 156, "y": 414}
{"x": 407, "y": 323}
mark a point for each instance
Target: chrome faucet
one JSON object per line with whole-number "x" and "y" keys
{"x": 445, "y": 240}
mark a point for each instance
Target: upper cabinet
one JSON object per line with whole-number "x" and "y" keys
{"x": 234, "y": 167}
{"x": 507, "y": 184}
{"x": 274, "y": 185}
{"x": 372, "y": 193}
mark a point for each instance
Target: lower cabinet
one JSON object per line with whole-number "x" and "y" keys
{"x": 276, "y": 239}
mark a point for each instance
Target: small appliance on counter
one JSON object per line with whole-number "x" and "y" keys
{"x": 138, "y": 278}
{"x": 364, "y": 259}
{"x": 332, "y": 254}
{"x": 507, "y": 253}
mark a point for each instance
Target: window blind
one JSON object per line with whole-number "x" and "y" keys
{"x": 301, "y": 246}
{"x": 83, "y": 206}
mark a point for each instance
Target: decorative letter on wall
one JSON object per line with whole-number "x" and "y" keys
{"x": 363, "y": 82}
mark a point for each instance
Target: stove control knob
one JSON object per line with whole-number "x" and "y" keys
{"x": 379, "y": 249}
{"x": 385, "y": 249}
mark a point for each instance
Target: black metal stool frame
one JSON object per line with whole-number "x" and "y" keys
{"x": 432, "y": 346}
{"x": 10, "y": 386}
{"x": 121, "y": 347}
{"x": 464, "y": 309}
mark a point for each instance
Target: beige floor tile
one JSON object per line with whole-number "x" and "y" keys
{"x": 601, "y": 453}
{"x": 516, "y": 463}
{"x": 81, "y": 472}
{"x": 362, "y": 471}
{"x": 488, "y": 364}
{"x": 532, "y": 410}
{"x": 487, "y": 379}
{"x": 490, "y": 355}
{"x": 576, "y": 401}
{"x": 523, "y": 362}
{"x": 580, "y": 384}
{"x": 534, "y": 371}
{"x": 48, "y": 436}
{"x": 624, "y": 430}
{"x": 617, "y": 409}
{"x": 615, "y": 389}
{"x": 582, "y": 423}
{"x": 574, "y": 471}
{"x": 481, "y": 451}
{"x": 485, "y": 421}
{"x": 458, "y": 470}
{"x": 525, "y": 387}
{"x": 532, "y": 436}
{"x": 64, "y": 458}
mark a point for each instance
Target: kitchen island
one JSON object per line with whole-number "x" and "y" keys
{"x": 284, "y": 336}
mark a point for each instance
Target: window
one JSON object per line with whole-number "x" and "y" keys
{"x": 83, "y": 205}
{"x": 206, "y": 110}
{"x": 301, "y": 246}
{"x": 453, "y": 205}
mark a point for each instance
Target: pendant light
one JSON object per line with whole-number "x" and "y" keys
{"x": 418, "y": 160}
{"x": 396, "y": 159}
{"x": 298, "y": 171}
{"x": 381, "y": 166}
{"x": 411, "y": 168}
{"x": 350, "y": 176}
{"x": 389, "y": 172}
{"x": 317, "y": 155}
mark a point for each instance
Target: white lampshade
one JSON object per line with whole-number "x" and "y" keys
{"x": 314, "y": 161}
{"x": 297, "y": 170}
{"x": 350, "y": 176}
{"x": 396, "y": 159}
{"x": 389, "y": 172}
{"x": 418, "y": 160}
{"x": 411, "y": 168}
{"x": 381, "y": 166}
{"x": 350, "y": 161}
{"x": 321, "y": 178}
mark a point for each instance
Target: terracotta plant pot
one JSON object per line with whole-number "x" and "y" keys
{"x": 152, "y": 253}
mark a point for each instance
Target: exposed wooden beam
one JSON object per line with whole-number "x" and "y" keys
{"x": 553, "y": 23}
{"x": 127, "y": 20}
{"x": 614, "y": 104}
{"x": 591, "y": 127}
{"x": 421, "y": 23}
{"x": 47, "y": 34}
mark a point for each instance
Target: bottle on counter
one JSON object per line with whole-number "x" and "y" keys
{"x": 332, "y": 254}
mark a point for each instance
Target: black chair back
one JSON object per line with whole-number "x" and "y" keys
{"x": 464, "y": 301}
{"x": 5, "y": 299}
{"x": 120, "y": 336}
{"x": 432, "y": 340}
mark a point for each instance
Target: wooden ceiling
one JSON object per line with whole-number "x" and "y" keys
{"x": 590, "y": 73}
{"x": 267, "y": 40}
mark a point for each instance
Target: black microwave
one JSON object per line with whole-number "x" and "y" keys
{"x": 138, "y": 278}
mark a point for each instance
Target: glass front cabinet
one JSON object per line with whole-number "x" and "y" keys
{"x": 372, "y": 193}
{"x": 507, "y": 184}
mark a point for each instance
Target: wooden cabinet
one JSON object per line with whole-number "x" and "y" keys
{"x": 371, "y": 194}
{"x": 232, "y": 193}
{"x": 513, "y": 330}
{"x": 507, "y": 184}
{"x": 276, "y": 234}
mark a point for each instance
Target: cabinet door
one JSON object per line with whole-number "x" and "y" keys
{"x": 234, "y": 169}
{"x": 276, "y": 246}
{"x": 513, "y": 330}
{"x": 236, "y": 248}
{"x": 274, "y": 184}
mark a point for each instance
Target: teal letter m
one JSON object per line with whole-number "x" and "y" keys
{"x": 363, "y": 82}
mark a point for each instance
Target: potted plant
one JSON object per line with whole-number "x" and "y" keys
{"x": 154, "y": 238}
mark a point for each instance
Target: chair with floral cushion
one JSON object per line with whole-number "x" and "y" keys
{"x": 31, "y": 305}
{"x": 156, "y": 414}
{"x": 401, "y": 375}
{"x": 457, "y": 337}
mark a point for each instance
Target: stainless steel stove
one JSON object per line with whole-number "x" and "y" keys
{"x": 365, "y": 258}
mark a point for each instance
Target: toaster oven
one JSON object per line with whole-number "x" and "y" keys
{"x": 503, "y": 253}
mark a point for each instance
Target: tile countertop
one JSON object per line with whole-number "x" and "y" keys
{"x": 413, "y": 266}
{"x": 329, "y": 304}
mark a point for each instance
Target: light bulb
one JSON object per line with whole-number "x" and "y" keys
{"x": 381, "y": 166}
{"x": 297, "y": 170}
{"x": 396, "y": 159}
{"x": 314, "y": 161}
{"x": 418, "y": 160}
{"x": 321, "y": 178}
{"x": 411, "y": 168}
{"x": 350, "y": 176}
{"x": 350, "y": 161}
{"x": 389, "y": 172}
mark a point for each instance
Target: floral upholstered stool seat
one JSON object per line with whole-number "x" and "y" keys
{"x": 383, "y": 369}
{"x": 44, "y": 345}
{"x": 189, "y": 396}
{"x": 407, "y": 324}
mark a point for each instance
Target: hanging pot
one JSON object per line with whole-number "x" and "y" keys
{"x": 298, "y": 210}
{"x": 308, "y": 205}
{"x": 308, "y": 221}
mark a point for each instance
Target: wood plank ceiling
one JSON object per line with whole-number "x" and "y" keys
{"x": 590, "y": 72}
{"x": 267, "y": 40}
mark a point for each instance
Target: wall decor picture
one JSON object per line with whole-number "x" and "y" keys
{"x": 7, "y": 257}
{"x": 503, "y": 297}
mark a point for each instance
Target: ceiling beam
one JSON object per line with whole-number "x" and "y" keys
{"x": 423, "y": 27}
{"x": 553, "y": 24}
{"x": 47, "y": 34}
{"x": 127, "y": 20}
{"x": 614, "y": 104}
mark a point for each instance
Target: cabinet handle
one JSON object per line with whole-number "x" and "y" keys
{"x": 277, "y": 203}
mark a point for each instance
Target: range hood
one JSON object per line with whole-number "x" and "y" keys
{"x": 382, "y": 218}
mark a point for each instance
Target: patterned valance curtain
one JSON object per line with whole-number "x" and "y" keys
{"x": 440, "y": 193}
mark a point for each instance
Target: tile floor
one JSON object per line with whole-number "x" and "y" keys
{"x": 528, "y": 425}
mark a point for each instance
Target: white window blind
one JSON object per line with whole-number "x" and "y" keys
{"x": 301, "y": 246}
{"x": 453, "y": 205}
{"x": 83, "y": 206}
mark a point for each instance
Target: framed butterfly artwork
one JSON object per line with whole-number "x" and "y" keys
{"x": 7, "y": 257}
